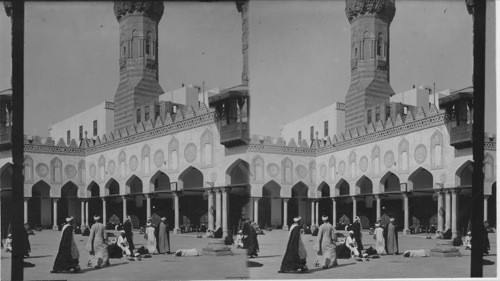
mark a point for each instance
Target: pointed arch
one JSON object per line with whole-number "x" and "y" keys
{"x": 173, "y": 155}
{"x": 159, "y": 182}
{"x": 437, "y": 149}
{"x": 364, "y": 186}
{"x": 342, "y": 188}
{"x": 287, "y": 171}
{"x": 389, "y": 183}
{"x": 134, "y": 185}
{"x": 332, "y": 166}
{"x": 376, "y": 160}
{"x": 238, "y": 172}
{"x": 463, "y": 175}
{"x": 323, "y": 190}
{"x": 112, "y": 187}
{"x": 190, "y": 178}
{"x": 489, "y": 167}
{"x": 403, "y": 155}
{"x": 420, "y": 179}
{"x": 56, "y": 170}
{"x": 70, "y": 190}
{"x": 271, "y": 189}
{"x": 258, "y": 168}
{"x": 93, "y": 190}
{"x": 300, "y": 190}
{"x": 206, "y": 145}
{"x": 6, "y": 176}
{"x": 40, "y": 189}
{"x": 28, "y": 169}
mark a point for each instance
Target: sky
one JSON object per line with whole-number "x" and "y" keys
{"x": 299, "y": 55}
{"x": 300, "y": 51}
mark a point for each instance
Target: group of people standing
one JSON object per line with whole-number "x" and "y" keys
{"x": 67, "y": 259}
{"x": 325, "y": 246}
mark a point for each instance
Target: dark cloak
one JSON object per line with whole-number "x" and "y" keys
{"x": 291, "y": 260}
{"x": 27, "y": 246}
{"x": 157, "y": 235}
{"x": 246, "y": 235}
{"x": 127, "y": 226}
{"x": 253, "y": 243}
{"x": 64, "y": 260}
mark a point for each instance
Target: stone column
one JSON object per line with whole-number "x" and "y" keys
{"x": 210, "y": 210}
{"x": 440, "y": 211}
{"x": 224, "y": 212}
{"x": 317, "y": 212}
{"x": 486, "y": 207}
{"x": 285, "y": 213}
{"x": 124, "y": 208}
{"x": 448, "y": 210}
{"x": 87, "y": 212}
{"x": 82, "y": 221}
{"x": 148, "y": 206}
{"x": 454, "y": 210}
{"x": 26, "y": 209}
{"x": 406, "y": 229}
{"x": 104, "y": 210}
{"x": 177, "y": 229}
{"x": 54, "y": 206}
{"x": 256, "y": 209}
{"x": 334, "y": 211}
{"x": 218, "y": 209}
{"x": 379, "y": 213}
{"x": 354, "y": 207}
{"x": 312, "y": 212}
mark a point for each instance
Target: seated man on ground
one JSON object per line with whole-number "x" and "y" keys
{"x": 123, "y": 244}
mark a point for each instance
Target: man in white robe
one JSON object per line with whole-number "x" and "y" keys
{"x": 325, "y": 244}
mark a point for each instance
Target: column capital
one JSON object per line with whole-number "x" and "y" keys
{"x": 334, "y": 199}
{"x": 256, "y": 198}
{"x": 285, "y": 199}
{"x": 405, "y": 194}
{"x": 486, "y": 197}
{"x": 354, "y": 197}
{"x": 26, "y": 199}
{"x": 177, "y": 193}
{"x": 55, "y": 199}
{"x": 103, "y": 199}
{"x": 225, "y": 189}
{"x": 455, "y": 191}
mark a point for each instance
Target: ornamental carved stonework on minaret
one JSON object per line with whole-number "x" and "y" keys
{"x": 370, "y": 21}
{"x": 138, "y": 60}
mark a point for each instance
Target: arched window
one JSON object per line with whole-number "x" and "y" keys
{"x": 380, "y": 45}
{"x": 145, "y": 159}
{"x": 367, "y": 46}
{"x": 101, "y": 164}
{"x": 56, "y": 170}
{"x": 206, "y": 148}
{"x": 149, "y": 44}
{"x": 122, "y": 163}
{"x": 173, "y": 155}
{"x": 258, "y": 168}
{"x": 312, "y": 171}
{"x": 81, "y": 172}
{"x": 352, "y": 164}
{"x": 437, "y": 149}
{"x": 376, "y": 160}
{"x": 135, "y": 44}
{"x": 287, "y": 170}
{"x": 28, "y": 169}
{"x": 403, "y": 155}
{"x": 333, "y": 171}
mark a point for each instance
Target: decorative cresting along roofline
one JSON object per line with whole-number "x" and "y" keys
{"x": 184, "y": 120}
{"x": 413, "y": 121}
{"x": 153, "y": 9}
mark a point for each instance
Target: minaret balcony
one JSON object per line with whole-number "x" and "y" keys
{"x": 234, "y": 134}
{"x": 461, "y": 136}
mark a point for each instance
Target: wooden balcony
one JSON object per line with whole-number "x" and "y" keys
{"x": 235, "y": 134}
{"x": 461, "y": 136}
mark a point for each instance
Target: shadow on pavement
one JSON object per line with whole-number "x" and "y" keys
{"x": 260, "y": 257}
{"x": 487, "y": 262}
{"x": 35, "y": 257}
{"x": 93, "y": 269}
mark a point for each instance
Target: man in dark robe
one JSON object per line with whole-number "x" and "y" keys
{"x": 391, "y": 241}
{"x": 162, "y": 234}
{"x": 253, "y": 243}
{"x": 127, "y": 226}
{"x": 68, "y": 254}
{"x": 356, "y": 228}
{"x": 27, "y": 245}
{"x": 486, "y": 240}
{"x": 295, "y": 255}
{"x": 245, "y": 228}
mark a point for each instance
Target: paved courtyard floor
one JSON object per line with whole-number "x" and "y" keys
{"x": 273, "y": 244}
{"x": 44, "y": 246}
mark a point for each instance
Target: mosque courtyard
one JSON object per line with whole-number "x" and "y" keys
{"x": 273, "y": 244}
{"x": 44, "y": 246}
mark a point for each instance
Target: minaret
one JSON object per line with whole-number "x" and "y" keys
{"x": 138, "y": 58}
{"x": 370, "y": 21}
{"x": 242, "y": 6}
